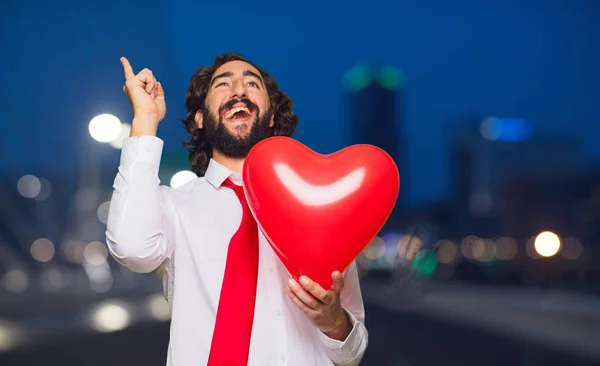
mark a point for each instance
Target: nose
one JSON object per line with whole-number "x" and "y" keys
{"x": 238, "y": 90}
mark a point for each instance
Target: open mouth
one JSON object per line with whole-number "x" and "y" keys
{"x": 238, "y": 113}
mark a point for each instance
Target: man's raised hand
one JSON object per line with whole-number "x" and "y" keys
{"x": 147, "y": 99}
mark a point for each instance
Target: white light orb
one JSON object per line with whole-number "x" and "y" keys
{"x": 105, "y": 128}
{"x": 182, "y": 178}
{"x": 110, "y": 317}
{"x": 547, "y": 244}
{"x": 103, "y": 210}
{"x": 125, "y": 131}
{"x": 158, "y": 307}
{"x": 29, "y": 186}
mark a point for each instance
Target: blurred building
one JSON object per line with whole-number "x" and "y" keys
{"x": 375, "y": 115}
{"x": 487, "y": 153}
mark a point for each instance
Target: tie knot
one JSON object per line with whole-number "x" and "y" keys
{"x": 239, "y": 190}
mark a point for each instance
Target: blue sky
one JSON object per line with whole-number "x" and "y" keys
{"x": 524, "y": 59}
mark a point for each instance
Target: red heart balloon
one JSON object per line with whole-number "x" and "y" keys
{"x": 319, "y": 212}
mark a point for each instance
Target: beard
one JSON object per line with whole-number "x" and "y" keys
{"x": 239, "y": 144}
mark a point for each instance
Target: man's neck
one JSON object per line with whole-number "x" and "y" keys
{"x": 233, "y": 164}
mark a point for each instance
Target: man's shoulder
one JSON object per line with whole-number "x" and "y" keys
{"x": 191, "y": 187}
{"x": 198, "y": 189}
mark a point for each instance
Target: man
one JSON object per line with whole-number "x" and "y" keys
{"x": 226, "y": 308}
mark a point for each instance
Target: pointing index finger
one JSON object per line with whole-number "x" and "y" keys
{"x": 127, "y": 68}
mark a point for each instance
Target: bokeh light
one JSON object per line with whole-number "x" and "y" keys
{"x": 45, "y": 190}
{"x": 158, "y": 307}
{"x": 42, "y": 250}
{"x": 473, "y": 247}
{"x": 357, "y": 78}
{"x": 375, "y": 249}
{"x": 446, "y": 251}
{"x": 10, "y": 335}
{"x": 390, "y": 77}
{"x": 506, "y": 248}
{"x": 110, "y": 317}
{"x": 408, "y": 246}
{"x": 505, "y": 129}
{"x": 182, "y": 178}
{"x": 15, "y": 280}
{"x": 572, "y": 248}
{"x": 547, "y": 244}
{"x": 103, "y": 212}
{"x": 95, "y": 253}
{"x": 73, "y": 251}
{"x": 29, "y": 186}
{"x": 105, "y": 128}
{"x": 117, "y": 143}
{"x": 489, "y": 251}
{"x": 52, "y": 280}
{"x": 424, "y": 263}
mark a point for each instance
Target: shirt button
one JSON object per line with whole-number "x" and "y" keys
{"x": 271, "y": 269}
{"x": 283, "y": 358}
{"x": 278, "y": 312}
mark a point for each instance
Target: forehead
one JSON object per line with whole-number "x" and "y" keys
{"x": 236, "y": 67}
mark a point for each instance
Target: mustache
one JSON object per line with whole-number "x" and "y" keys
{"x": 249, "y": 104}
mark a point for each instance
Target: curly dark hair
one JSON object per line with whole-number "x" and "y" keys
{"x": 200, "y": 151}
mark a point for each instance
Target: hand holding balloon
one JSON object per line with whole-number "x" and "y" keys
{"x": 322, "y": 307}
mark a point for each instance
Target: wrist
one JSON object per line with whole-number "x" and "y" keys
{"x": 341, "y": 327}
{"x": 142, "y": 126}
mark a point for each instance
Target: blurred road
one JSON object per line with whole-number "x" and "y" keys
{"x": 437, "y": 325}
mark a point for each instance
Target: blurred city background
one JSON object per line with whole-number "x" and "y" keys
{"x": 489, "y": 107}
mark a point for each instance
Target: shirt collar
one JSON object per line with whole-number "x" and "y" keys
{"x": 216, "y": 174}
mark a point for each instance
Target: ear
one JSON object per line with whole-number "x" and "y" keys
{"x": 272, "y": 121}
{"x": 199, "y": 117}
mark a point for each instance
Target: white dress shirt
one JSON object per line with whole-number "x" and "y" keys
{"x": 184, "y": 234}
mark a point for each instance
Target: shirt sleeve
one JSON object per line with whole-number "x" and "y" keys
{"x": 139, "y": 230}
{"x": 350, "y": 351}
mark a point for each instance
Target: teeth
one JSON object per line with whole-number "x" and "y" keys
{"x": 235, "y": 110}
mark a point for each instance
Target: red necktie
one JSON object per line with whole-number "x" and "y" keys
{"x": 235, "y": 313}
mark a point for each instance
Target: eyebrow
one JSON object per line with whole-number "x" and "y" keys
{"x": 254, "y": 75}
{"x": 228, "y": 74}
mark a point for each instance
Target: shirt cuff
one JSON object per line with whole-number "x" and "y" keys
{"x": 344, "y": 352}
{"x": 146, "y": 149}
